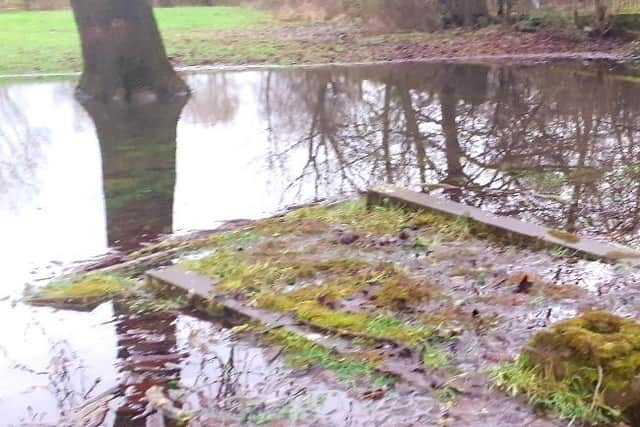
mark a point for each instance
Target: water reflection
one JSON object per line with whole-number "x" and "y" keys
{"x": 554, "y": 143}
{"x": 549, "y": 143}
{"x": 138, "y": 151}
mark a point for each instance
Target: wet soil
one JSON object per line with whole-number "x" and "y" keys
{"x": 345, "y": 42}
{"x": 489, "y": 299}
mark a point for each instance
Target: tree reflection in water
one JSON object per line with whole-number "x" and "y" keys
{"x": 138, "y": 145}
{"x": 553, "y": 143}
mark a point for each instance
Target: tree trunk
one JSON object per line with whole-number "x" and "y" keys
{"x": 124, "y": 58}
{"x": 463, "y": 12}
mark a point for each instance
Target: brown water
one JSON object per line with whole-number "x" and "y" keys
{"x": 551, "y": 143}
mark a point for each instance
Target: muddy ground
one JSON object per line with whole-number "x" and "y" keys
{"x": 428, "y": 307}
{"x": 343, "y": 41}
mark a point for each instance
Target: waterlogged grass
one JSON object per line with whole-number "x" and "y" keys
{"x": 377, "y": 220}
{"x": 89, "y": 286}
{"x": 374, "y": 325}
{"x": 435, "y": 358}
{"x": 301, "y": 352}
{"x": 238, "y": 271}
{"x": 47, "y": 41}
{"x": 565, "y": 399}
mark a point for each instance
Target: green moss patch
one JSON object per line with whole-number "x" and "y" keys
{"x": 241, "y": 271}
{"x": 89, "y": 286}
{"x": 378, "y": 326}
{"x": 81, "y": 293}
{"x": 586, "y": 368}
{"x": 377, "y": 220}
{"x": 400, "y": 292}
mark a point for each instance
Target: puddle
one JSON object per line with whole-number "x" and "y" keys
{"x": 550, "y": 143}
{"x": 215, "y": 375}
{"x": 518, "y": 140}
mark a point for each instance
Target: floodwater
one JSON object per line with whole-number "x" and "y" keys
{"x": 550, "y": 143}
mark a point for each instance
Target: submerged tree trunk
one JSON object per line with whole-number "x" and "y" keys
{"x": 124, "y": 58}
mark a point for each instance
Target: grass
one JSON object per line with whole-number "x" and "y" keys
{"x": 301, "y": 352}
{"x": 585, "y": 368}
{"x": 379, "y": 220}
{"x": 565, "y": 399}
{"x": 47, "y": 41}
{"x": 89, "y": 286}
{"x": 435, "y": 358}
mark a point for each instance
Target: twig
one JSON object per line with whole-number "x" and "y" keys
{"x": 596, "y": 393}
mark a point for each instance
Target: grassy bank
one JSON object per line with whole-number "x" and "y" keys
{"x": 47, "y": 41}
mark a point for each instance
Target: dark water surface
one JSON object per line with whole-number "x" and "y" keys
{"x": 551, "y": 143}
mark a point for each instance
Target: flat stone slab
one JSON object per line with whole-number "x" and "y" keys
{"x": 184, "y": 280}
{"x": 412, "y": 199}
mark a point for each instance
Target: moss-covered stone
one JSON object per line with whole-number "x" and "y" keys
{"x": 598, "y": 354}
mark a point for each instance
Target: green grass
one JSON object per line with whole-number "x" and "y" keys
{"x": 47, "y": 41}
{"x": 88, "y": 286}
{"x": 301, "y": 352}
{"x": 565, "y": 399}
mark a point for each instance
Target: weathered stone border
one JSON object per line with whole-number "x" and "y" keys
{"x": 591, "y": 248}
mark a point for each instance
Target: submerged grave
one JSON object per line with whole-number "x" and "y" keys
{"x": 411, "y": 299}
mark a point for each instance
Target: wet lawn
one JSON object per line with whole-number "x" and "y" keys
{"x": 47, "y": 41}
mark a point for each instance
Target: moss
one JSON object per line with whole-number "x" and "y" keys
{"x": 315, "y": 303}
{"x": 435, "y": 358}
{"x": 379, "y": 220}
{"x": 240, "y": 271}
{"x": 564, "y": 236}
{"x": 234, "y": 238}
{"x": 85, "y": 287}
{"x": 375, "y": 325}
{"x": 460, "y": 227}
{"x": 594, "y": 358}
{"x": 400, "y": 292}
{"x": 560, "y": 397}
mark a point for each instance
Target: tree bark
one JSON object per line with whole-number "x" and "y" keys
{"x": 124, "y": 57}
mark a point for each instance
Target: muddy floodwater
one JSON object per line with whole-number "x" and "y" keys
{"x": 552, "y": 143}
